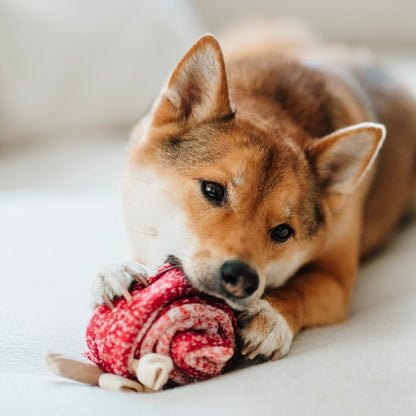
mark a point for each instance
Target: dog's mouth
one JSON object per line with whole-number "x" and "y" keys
{"x": 231, "y": 297}
{"x": 174, "y": 261}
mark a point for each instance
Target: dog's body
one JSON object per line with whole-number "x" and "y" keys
{"x": 259, "y": 176}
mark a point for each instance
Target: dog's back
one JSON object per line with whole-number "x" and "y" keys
{"x": 394, "y": 184}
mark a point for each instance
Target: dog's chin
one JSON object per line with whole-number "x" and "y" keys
{"x": 239, "y": 304}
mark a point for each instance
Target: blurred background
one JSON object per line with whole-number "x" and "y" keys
{"x": 76, "y": 75}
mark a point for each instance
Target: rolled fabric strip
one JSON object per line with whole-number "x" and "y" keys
{"x": 153, "y": 370}
{"x": 168, "y": 317}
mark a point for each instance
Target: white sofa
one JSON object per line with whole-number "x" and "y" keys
{"x": 53, "y": 242}
{"x": 60, "y": 223}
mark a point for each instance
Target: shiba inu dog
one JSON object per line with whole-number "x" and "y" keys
{"x": 264, "y": 175}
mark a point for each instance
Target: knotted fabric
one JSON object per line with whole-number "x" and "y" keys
{"x": 168, "y": 317}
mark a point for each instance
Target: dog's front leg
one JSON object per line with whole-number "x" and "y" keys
{"x": 312, "y": 298}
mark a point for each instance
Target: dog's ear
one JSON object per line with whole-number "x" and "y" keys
{"x": 197, "y": 90}
{"x": 342, "y": 158}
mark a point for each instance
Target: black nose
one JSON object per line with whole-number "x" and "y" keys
{"x": 238, "y": 278}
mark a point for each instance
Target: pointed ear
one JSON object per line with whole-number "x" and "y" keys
{"x": 197, "y": 89}
{"x": 342, "y": 159}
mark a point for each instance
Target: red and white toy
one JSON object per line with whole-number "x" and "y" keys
{"x": 167, "y": 332}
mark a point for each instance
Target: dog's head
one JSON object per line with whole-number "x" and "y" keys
{"x": 225, "y": 182}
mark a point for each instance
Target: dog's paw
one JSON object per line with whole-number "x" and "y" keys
{"x": 265, "y": 332}
{"x": 115, "y": 280}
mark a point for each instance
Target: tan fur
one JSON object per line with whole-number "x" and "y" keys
{"x": 288, "y": 155}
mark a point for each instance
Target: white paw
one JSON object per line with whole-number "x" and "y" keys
{"x": 115, "y": 280}
{"x": 265, "y": 332}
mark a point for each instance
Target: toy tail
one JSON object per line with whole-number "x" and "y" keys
{"x": 91, "y": 374}
{"x": 73, "y": 369}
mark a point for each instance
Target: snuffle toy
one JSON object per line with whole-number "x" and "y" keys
{"x": 166, "y": 332}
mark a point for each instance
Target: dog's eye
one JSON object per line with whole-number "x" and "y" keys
{"x": 213, "y": 191}
{"x": 281, "y": 233}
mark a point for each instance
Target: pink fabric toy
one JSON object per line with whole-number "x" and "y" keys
{"x": 167, "y": 331}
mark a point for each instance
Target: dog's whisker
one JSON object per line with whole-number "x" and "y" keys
{"x": 150, "y": 233}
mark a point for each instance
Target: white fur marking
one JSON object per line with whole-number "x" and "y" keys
{"x": 278, "y": 272}
{"x": 147, "y": 207}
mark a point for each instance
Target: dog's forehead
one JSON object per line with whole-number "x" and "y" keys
{"x": 235, "y": 153}
{"x": 238, "y": 143}
{"x": 267, "y": 158}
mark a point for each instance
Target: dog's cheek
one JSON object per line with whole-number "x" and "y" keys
{"x": 281, "y": 269}
{"x": 155, "y": 223}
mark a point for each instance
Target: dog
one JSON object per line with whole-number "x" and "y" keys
{"x": 267, "y": 176}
